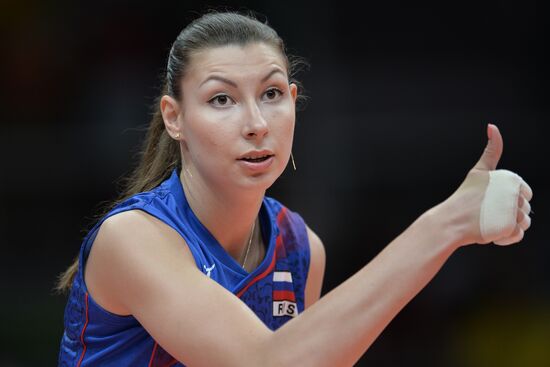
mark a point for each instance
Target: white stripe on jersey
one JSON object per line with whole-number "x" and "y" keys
{"x": 282, "y": 276}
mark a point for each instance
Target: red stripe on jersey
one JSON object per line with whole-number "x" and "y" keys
{"x": 153, "y": 354}
{"x": 262, "y": 275}
{"x": 82, "y": 334}
{"x": 172, "y": 361}
{"x": 279, "y": 245}
{"x": 284, "y": 296}
{"x": 281, "y": 251}
{"x": 278, "y": 248}
{"x": 281, "y": 215}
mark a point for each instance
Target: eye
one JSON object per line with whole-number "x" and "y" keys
{"x": 221, "y": 99}
{"x": 273, "y": 93}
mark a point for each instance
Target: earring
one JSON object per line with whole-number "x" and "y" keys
{"x": 188, "y": 172}
{"x": 177, "y": 136}
{"x": 184, "y": 166}
{"x": 292, "y": 158}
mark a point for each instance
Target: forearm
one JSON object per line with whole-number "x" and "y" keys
{"x": 342, "y": 325}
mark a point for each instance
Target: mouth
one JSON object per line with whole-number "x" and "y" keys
{"x": 257, "y": 159}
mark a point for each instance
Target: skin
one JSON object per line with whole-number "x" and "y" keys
{"x": 137, "y": 260}
{"x": 237, "y": 99}
{"x": 218, "y": 123}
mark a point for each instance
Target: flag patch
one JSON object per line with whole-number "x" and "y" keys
{"x": 284, "y": 299}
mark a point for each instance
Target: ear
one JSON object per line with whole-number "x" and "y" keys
{"x": 171, "y": 111}
{"x": 293, "y": 91}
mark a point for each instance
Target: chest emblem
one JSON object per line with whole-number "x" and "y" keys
{"x": 209, "y": 270}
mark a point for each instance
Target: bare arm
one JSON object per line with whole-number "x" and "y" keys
{"x": 316, "y": 272}
{"x": 341, "y": 326}
{"x": 140, "y": 266}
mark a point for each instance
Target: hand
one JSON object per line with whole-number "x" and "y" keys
{"x": 491, "y": 205}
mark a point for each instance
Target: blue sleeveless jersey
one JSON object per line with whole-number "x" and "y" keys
{"x": 274, "y": 291}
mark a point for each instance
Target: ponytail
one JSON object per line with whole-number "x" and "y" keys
{"x": 160, "y": 154}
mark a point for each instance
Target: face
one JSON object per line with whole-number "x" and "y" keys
{"x": 236, "y": 116}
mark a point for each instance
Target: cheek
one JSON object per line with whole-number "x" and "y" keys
{"x": 206, "y": 134}
{"x": 283, "y": 118}
{"x": 284, "y": 126}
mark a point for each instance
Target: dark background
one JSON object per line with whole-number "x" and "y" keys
{"x": 400, "y": 95}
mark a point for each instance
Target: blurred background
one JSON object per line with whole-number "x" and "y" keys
{"x": 400, "y": 94}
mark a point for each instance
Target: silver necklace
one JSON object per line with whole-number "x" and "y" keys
{"x": 249, "y": 242}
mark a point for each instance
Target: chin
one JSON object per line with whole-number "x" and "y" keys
{"x": 260, "y": 181}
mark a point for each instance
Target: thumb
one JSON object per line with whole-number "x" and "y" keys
{"x": 491, "y": 155}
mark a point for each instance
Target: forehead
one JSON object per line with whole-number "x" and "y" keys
{"x": 247, "y": 60}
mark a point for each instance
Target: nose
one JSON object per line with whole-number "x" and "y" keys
{"x": 256, "y": 125}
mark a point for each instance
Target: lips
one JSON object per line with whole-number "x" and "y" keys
{"x": 256, "y": 161}
{"x": 256, "y": 156}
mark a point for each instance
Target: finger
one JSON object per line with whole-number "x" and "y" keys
{"x": 493, "y": 151}
{"x": 520, "y": 216}
{"x": 526, "y": 191}
{"x": 515, "y": 237}
{"x": 525, "y": 207}
{"x": 521, "y": 201}
{"x": 523, "y": 220}
{"x": 525, "y": 223}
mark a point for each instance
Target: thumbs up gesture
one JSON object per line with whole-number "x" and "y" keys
{"x": 493, "y": 203}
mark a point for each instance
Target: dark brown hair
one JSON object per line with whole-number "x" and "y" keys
{"x": 160, "y": 153}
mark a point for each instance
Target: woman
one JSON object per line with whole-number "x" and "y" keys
{"x": 195, "y": 266}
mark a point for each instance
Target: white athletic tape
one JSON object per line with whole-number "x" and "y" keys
{"x": 498, "y": 215}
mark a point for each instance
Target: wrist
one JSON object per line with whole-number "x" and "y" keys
{"x": 445, "y": 219}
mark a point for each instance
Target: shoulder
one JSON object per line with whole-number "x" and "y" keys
{"x": 316, "y": 270}
{"x": 136, "y": 230}
{"x": 316, "y": 246}
{"x": 127, "y": 245}
{"x": 284, "y": 215}
{"x": 315, "y": 243}
{"x": 317, "y": 253}
{"x": 303, "y": 237}
{"x": 131, "y": 225}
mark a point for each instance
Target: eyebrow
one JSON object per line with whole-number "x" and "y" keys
{"x": 232, "y": 83}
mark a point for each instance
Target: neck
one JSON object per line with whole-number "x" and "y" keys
{"x": 228, "y": 215}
